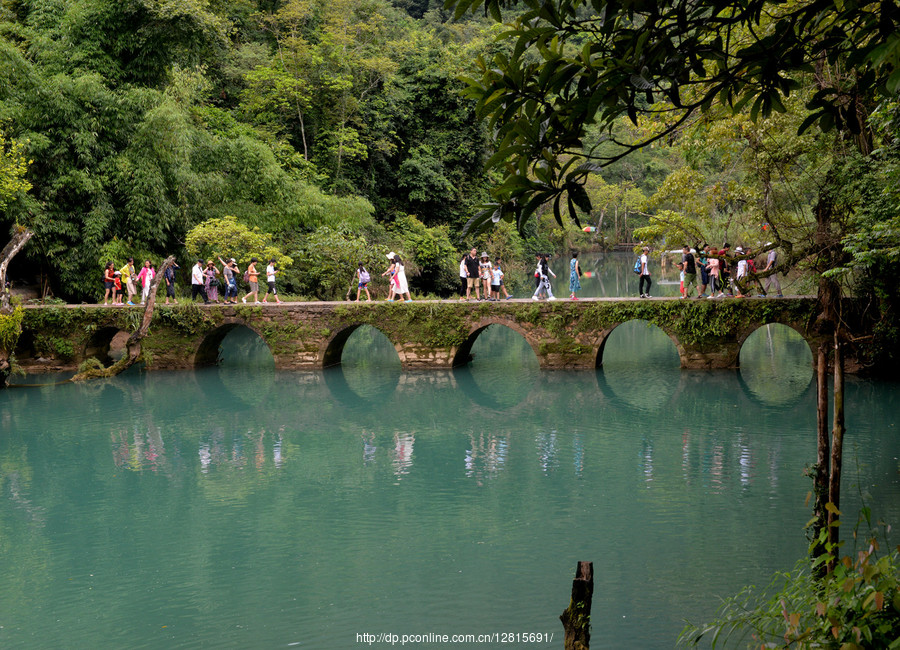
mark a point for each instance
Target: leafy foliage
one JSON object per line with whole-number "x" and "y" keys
{"x": 570, "y": 64}
{"x": 226, "y": 238}
{"x": 13, "y": 166}
{"x": 855, "y": 606}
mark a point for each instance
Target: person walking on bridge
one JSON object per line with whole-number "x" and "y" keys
{"x": 574, "y": 276}
{"x": 146, "y": 277}
{"x": 253, "y": 281}
{"x": 645, "y": 273}
{"x": 198, "y": 282}
{"x": 128, "y": 276}
{"x": 473, "y": 279}
{"x": 772, "y": 280}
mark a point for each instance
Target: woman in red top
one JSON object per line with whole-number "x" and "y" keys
{"x": 109, "y": 282}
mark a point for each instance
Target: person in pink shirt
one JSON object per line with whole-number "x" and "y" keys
{"x": 145, "y": 277}
{"x": 714, "y": 277}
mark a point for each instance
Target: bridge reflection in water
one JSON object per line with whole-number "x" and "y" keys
{"x": 776, "y": 370}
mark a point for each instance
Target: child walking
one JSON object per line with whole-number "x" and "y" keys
{"x": 363, "y": 278}
{"x": 497, "y": 279}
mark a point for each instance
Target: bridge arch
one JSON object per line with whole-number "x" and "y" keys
{"x": 207, "y": 351}
{"x": 462, "y": 354}
{"x": 605, "y": 334}
{"x": 106, "y": 344}
{"x": 754, "y": 327}
{"x": 332, "y": 349}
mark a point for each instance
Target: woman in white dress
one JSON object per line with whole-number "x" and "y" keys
{"x": 402, "y": 285}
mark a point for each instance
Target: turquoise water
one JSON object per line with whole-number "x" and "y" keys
{"x": 240, "y": 507}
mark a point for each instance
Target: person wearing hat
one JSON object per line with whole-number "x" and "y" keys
{"x": 230, "y": 273}
{"x": 397, "y": 272}
{"x": 211, "y": 282}
{"x": 645, "y": 273}
{"x": 485, "y": 272}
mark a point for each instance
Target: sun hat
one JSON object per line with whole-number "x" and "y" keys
{"x": 738, "y": 250}
{"x": 391, "y": 255}
{"x": 483, "y": 254}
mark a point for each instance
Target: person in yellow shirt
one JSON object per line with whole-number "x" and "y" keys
{"x": 128, "y": 274}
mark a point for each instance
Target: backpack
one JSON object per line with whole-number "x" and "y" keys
{"x": 637, "y": 266}
{"x": 247, "y": 277}
{"x": 364, "y": 276}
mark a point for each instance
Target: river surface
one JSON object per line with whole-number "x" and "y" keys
{"x": 240, "y": 507}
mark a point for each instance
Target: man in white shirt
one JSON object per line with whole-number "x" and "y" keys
{"x": 197, "y": 286}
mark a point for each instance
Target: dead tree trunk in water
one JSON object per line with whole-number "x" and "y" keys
{"x": 576, "y": 619}
{"x": 820, "y": 477}
{"x": 20, "y": 237}
{"x": 133, "y": 345}
{"x": 837, "y": 447}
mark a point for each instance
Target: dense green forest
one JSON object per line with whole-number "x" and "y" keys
{"x": 333, "y": 127}
{"x": 341, "y": 130}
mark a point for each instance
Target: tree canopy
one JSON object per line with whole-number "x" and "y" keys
{"x": 570, "y": 69}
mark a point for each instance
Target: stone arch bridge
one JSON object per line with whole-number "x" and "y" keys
{"x": 426, "y": 334}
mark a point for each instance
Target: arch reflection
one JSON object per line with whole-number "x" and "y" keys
{"x": 366, "y": 367}
{"x": 639, "y": 368}
{"x": 775, "y": 365}
{"x": 503, "y": 370}
{"x": 244, "y": 366}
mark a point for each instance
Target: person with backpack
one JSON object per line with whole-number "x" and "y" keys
{"x": 251, "y": 278}
{"x": 644, "y": 261}
{"x": 363, "y": 278}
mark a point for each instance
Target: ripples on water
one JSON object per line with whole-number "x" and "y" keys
{"x": 242, "y": 507}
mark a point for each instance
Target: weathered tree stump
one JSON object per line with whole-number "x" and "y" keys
{"x": 9, "y": 330}
{"x": 20, "y": 237}
{"x": 576, "y": 619}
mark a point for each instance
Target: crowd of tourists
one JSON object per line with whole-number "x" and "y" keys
{"x": 703, "y": 269}
{"x": 210, "y": 282}
{"x": 207, "y": 282}
{"x": 723, "y": 273}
